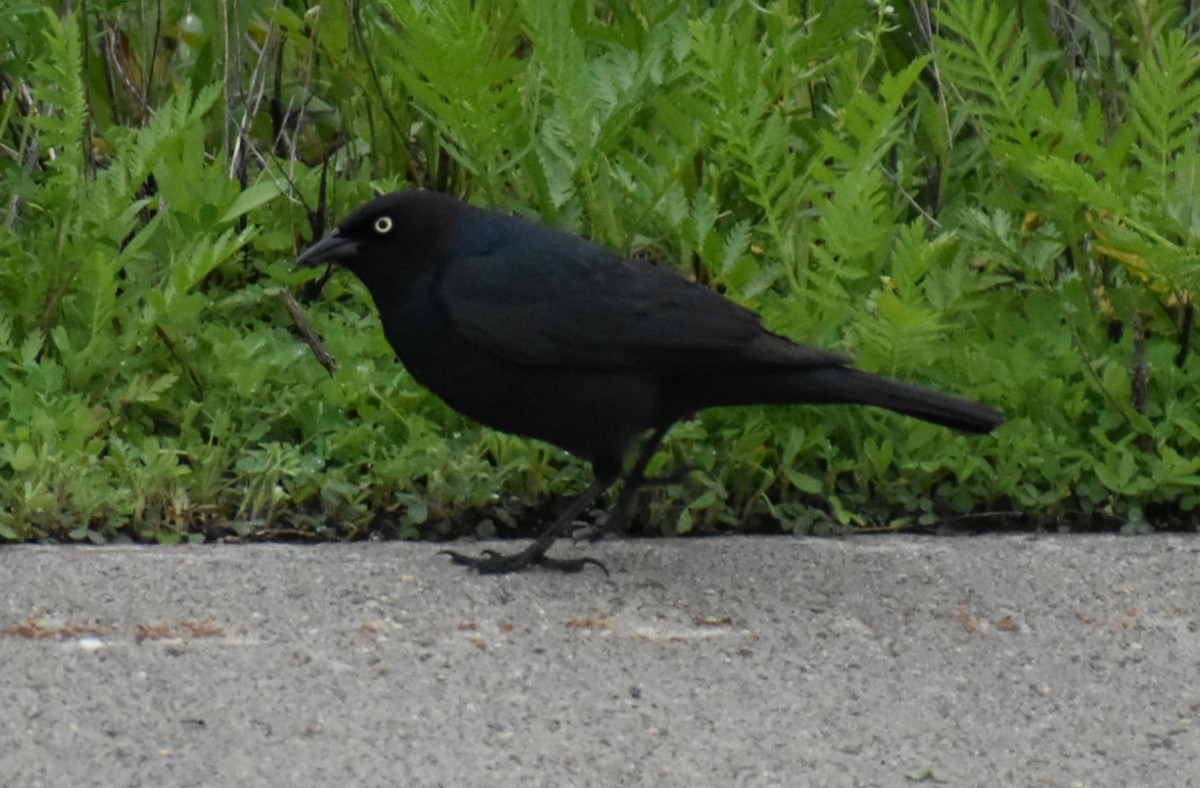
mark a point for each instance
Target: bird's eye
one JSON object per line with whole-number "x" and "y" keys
{"x": 383, "y": 225}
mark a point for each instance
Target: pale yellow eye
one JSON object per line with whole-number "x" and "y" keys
{"x": 383, "y": 225}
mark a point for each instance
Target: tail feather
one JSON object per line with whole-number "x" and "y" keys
{"x": 855, "y": 387}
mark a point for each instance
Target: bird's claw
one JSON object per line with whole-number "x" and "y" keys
{"x": 571, "y": 564}
{"x": 494, "y": 563}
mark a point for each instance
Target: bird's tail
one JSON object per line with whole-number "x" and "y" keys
{"x": 854, "y": 387}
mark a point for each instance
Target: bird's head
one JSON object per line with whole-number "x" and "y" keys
{"x": 389, "y": 232}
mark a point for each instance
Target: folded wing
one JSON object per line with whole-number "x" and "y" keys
{"x": 580, "y": 305}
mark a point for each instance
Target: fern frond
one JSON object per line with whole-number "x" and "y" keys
{"x": 983, "y": 55}
{"x": 1164, "y": 104}
{"x": 58, "y": 79}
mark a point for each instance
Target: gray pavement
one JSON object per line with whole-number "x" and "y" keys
{"x": 743, "y": 661}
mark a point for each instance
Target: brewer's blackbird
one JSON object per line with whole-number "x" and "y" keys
{"x": 537, "y": 332}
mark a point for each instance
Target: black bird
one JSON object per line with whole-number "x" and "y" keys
{"x": 534, "y": 331}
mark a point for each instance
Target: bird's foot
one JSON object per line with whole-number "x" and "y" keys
{"x": 494, "y": 563}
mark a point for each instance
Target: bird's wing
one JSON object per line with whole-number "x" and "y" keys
{"x": 598, "y": 310}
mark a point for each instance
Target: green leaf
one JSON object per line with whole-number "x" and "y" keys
{"x": 254, "y": 196}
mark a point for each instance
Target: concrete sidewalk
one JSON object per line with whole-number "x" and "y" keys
{"x": 748, "y": 661}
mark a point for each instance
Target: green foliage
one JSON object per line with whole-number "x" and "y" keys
{"x": 997, "y": 200}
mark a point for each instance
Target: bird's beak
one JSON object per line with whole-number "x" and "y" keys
{"x": 331, "y": 249}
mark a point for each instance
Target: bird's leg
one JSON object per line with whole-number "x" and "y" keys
{"x": 618, "y": 516}
{"x": 492, "y": 562}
